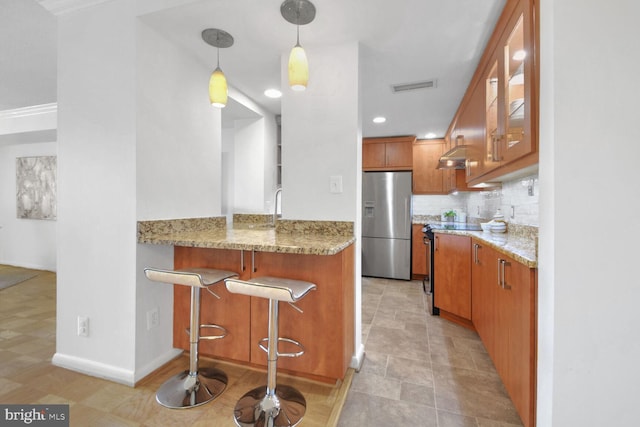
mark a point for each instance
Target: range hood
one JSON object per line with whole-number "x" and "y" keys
{"x": 455, "y": 158}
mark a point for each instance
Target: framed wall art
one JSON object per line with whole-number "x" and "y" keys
{"x": 36, "y": 187}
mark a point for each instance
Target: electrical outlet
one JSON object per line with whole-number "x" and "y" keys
{"x": 83, "y": 326}
{"x": 152, "y": 318}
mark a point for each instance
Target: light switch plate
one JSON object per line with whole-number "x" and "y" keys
{"x": 335, "y": 184}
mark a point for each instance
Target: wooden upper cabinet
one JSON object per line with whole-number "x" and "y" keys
{"x": 388, "y": 153}
{"x": 426, "y": 178}
{"x": 373, "y": 154}
{"x": 498, "y": 113}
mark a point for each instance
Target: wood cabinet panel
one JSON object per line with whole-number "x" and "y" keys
{"x": 452, "y": 259}
{"x": 325, "y": 327}
{"x": 498, "y": 114}
{"x": 388, "y": 153}
{"x": 504, "y": 314}
{"x": 320, "y": 328}
{"x": 399, "y": 154}
{"x": 419, "y": 258}
{"x": 427, "y": 179}
{"x": 373, "y": 155}
{"x": 230, "y": 311}
{"x": 519, "y": 301}
{"x": 484, "y": 290}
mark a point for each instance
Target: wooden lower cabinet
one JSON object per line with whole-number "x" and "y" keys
{"x": 452, "y": 281}
{"x": 230, "y": 311}
{"x": 325, "y": 327}
{"x": 504, "y": 314}
{"x": 419, "y": 256}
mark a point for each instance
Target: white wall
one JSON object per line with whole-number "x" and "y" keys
{"x": 250, "y": 166}
{"x": 97, "y": 197}
{"x": 321, "y": 137}
{"x": 24, "y": 242}
{"x": 588, "y": 278}
{"x": 178, "y": 172}
{"x": 144, "y": 143}
{"x": 179, "y": 139}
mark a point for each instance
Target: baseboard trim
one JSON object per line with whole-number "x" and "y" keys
{"x": 113, "y": 373}
{"x": 357, "y": 359}
{"x": 94, "y": 369}
{"x": 156, "y": 363}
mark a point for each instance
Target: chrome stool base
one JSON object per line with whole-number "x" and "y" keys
{"x": 185, "y": 391}
{"x": 257, "y": 408}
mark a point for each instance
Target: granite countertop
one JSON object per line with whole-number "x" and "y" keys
{"x": 520, "y": 247}
{"x": 294, "y": 237}
{"x": 520, "y": 242}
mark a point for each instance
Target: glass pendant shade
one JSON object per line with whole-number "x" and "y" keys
{"x": 298, "y": 68}
{"x": 218, "y": 88}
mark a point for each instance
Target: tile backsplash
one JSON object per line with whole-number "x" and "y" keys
{"x": 517, "y": 199}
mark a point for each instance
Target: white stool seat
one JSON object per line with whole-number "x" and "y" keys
{"x": 196, "y": 386}
{"x": 196, "y": 277}
{"x": 281, "y": 406}
{"x": 275, "y": 288}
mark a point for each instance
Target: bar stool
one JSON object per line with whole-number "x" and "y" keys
{"x": 196, "y": 386}
{"x": 272, "y": 405}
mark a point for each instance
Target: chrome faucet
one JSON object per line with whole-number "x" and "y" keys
{"x": 275, "y": 204}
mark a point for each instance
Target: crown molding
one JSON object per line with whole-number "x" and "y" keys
{"x": 29, "y": 111}
{"x": 62, "y": 7}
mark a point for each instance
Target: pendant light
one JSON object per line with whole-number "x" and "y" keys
{"x": 218, "y": 90}
{"x": 298, "y": 12}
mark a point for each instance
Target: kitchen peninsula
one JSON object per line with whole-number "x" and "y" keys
{"x": 316, "y": 251}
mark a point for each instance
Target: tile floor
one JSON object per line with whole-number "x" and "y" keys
{"x": 27, "y": 343}
{"x": 421, "y": 370}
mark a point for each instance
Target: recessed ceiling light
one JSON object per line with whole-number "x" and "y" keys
{"x": 379, "y": 119}
{"x": 272, "y": 93}
{"x": 430, "y": 135}
{"x": 519, "y": 55}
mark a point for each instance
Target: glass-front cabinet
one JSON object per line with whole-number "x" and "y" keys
{"x": 492, "y": 131}
{"x": 516, "y": 141}
{"x": 507, "y": 96}
{"x": 506, "y": 84}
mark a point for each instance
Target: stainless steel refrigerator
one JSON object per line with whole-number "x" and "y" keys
{"x": 386, "y": 224}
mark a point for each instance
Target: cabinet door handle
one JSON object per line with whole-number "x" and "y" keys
{"x": 501, "y": 272}
{"x": 496, "y": 145}
{"x": 253, "y": 261}
{"x": 475, "y": 253}
{"x": 242, "y": 266}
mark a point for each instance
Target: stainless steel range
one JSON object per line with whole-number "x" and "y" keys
{"x": 428, "y": 230}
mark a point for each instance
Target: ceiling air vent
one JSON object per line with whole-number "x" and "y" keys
{"x": 404, "y": 87}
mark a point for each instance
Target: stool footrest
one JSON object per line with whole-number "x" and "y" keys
{"x": 289, "y": 340}
{"x": 210, "y": 337}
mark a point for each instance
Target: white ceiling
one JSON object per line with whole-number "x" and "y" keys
{"x": 401, "y": 41}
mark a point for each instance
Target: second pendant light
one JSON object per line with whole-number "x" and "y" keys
{"x": 298, "y": 12}
{"x": 218, "y": 90}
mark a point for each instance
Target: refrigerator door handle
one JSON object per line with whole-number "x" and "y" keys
{"x": 407, "y": 217}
